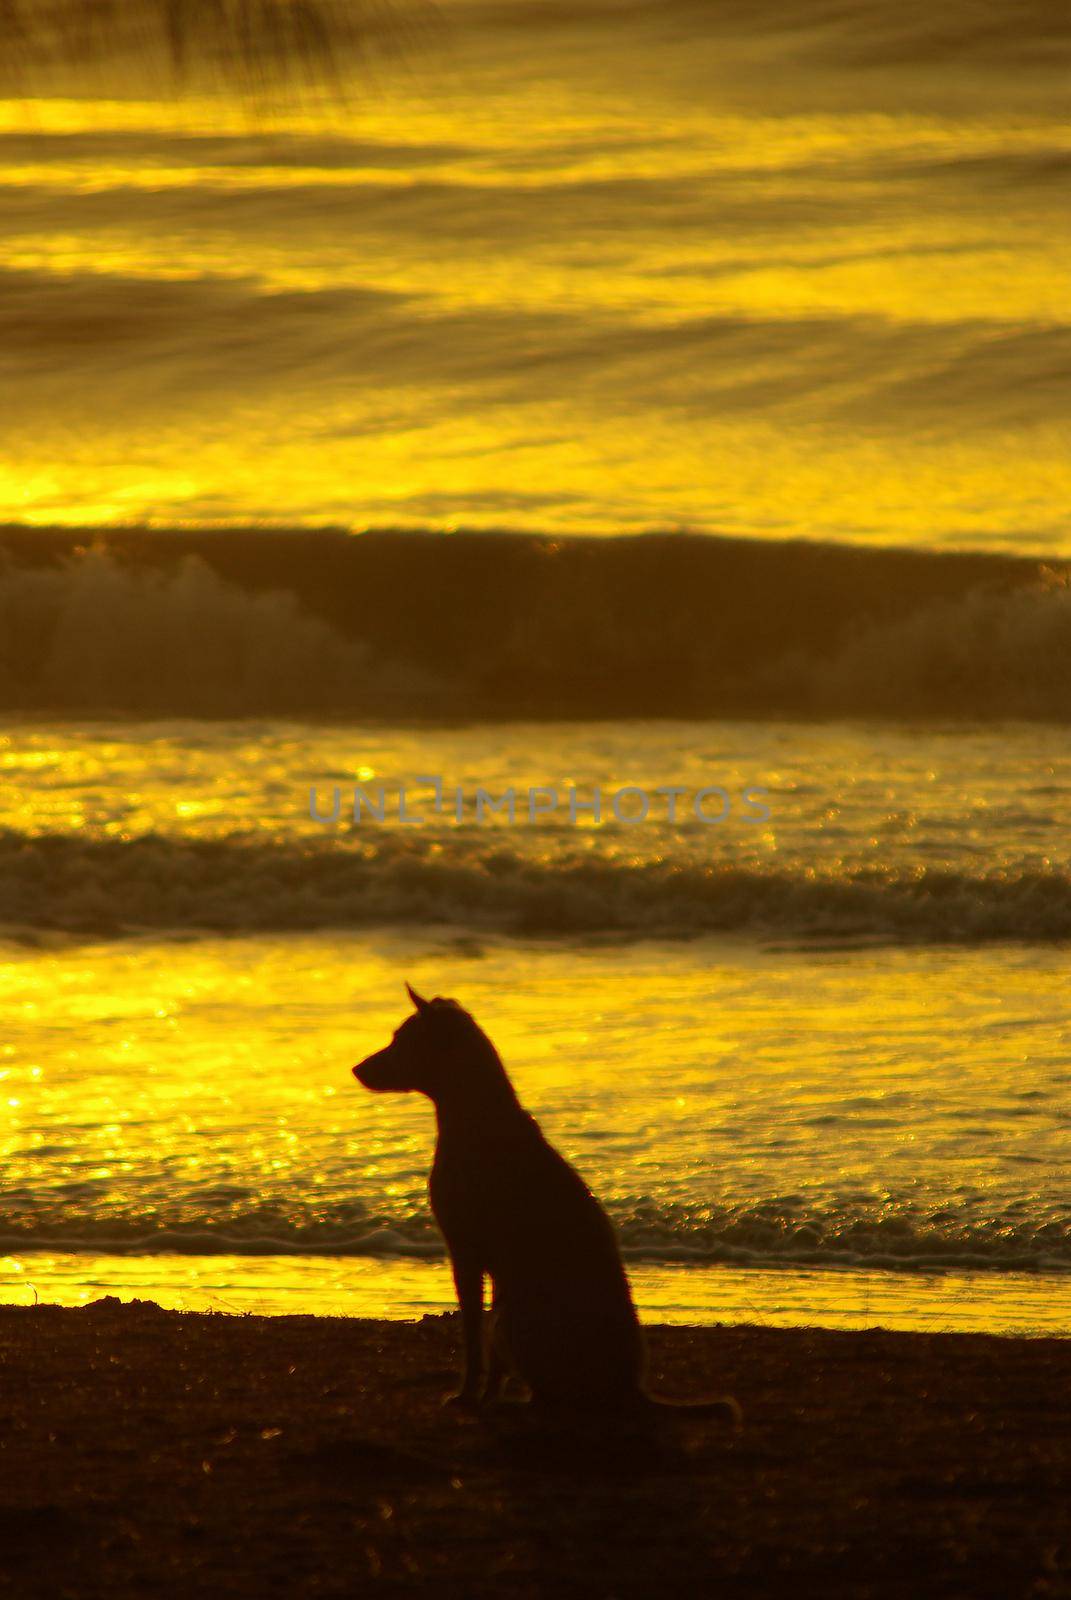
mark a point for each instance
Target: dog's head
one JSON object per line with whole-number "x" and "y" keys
{"x": 425, "y": 1051}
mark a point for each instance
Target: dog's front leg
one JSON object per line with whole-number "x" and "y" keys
{"x": 468, "y": 1280}
{"x": 498, "y": 1365}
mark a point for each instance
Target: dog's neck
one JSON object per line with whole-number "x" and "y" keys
{"x": 481, "y": 1100}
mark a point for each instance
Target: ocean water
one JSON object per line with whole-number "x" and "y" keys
{"x": 793, "y": 273}
{"x": 783, "y": 268}
{"x": 816, "y": 1066}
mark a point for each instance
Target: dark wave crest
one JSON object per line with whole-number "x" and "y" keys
{"x": 504, "y": 626}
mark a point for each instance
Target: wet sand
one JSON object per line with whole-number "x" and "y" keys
{"x": 145, "y": 1452}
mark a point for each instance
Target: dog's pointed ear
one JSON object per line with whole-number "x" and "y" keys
{"x": 417, "y": 999}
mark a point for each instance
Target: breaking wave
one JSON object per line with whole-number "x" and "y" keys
{"x": 985, "y": 654}
{"x": 94, "y": 636}
{"x": 106, "y": 888}
{"x": 506, "y": 626}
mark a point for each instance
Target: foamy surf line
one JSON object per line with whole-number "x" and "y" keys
{"x": 109, "y": 888}
{"x": 991, "y": 1245}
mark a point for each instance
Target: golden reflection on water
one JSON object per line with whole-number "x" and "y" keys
{"x": 313, "y": 203}
{"x": 203, "y": 1090}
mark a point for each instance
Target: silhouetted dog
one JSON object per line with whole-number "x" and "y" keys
{"x": 510, "y": 1208}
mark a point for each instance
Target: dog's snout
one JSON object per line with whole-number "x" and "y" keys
{"x": 375, "y": 1071}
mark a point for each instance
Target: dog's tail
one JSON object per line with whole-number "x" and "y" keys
{"x": 725, "y": 1409}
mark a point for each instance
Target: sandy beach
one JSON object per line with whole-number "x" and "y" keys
{"x": 152, "y": 1452}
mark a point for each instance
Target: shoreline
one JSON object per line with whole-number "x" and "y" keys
{"x": 849, "y": 1297}
{"x": 143, "y": 1450}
